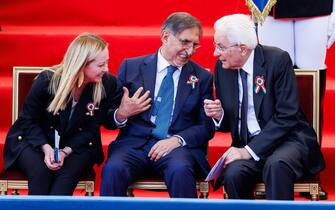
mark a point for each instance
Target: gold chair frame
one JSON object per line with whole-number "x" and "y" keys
{"x": 158, "y": 184}
{"x": 202, "y": 187}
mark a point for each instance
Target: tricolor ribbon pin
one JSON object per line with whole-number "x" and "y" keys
{"x": 260, "y": 84}
{"x": 193, "y": 80}
{"x": 91, "y": 107}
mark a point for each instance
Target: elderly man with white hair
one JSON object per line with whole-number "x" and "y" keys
{"x": 257, "y": 101}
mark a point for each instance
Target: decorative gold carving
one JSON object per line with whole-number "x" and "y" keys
{"x": 3, "y": 187}
{"x": 89, "y": 186}
{"x": 15, "y": 192}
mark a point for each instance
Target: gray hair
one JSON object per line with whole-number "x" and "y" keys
{"x": 238, "y": 28}
{"x": 179, "y": 21}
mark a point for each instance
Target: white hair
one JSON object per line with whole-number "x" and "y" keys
{"x": 238, "y": 28}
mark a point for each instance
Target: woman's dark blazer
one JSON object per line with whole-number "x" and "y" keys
{"x": 36, "y": 126}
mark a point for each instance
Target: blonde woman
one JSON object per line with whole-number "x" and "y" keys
{"x": 68, "y": 102}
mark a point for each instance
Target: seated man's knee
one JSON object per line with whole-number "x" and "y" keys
{"x": 233, "y": 172}
{"x": 113, "y": 168}
{"x": 274, "y": 167}
{"x": 180, "y": 170}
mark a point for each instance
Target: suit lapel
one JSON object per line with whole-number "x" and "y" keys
{"x": 64, "y": 118}
{"x": 258, "y": 71}
{"x": 80, "y": 109}
{"x": 235, "y": 99}
{"x": 183, "y": 90}
{"x": 148, "y": 72}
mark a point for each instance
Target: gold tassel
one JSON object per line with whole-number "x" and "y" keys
{"x": 257, "y": 15}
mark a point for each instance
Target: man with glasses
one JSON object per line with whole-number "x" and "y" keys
{"x": 170, "y": 137}
{"x": 257, "y": 101}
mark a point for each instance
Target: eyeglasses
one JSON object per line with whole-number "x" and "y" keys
{"x": 223, "y": 49}
{"x": 187, "y": 44}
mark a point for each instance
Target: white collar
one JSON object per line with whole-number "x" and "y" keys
{"x": 248, "y": 66}
{"x": 162, "y": 63}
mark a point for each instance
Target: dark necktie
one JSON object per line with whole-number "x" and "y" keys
{"x": 163, "y": 105}
{"x": 244, "y": 108}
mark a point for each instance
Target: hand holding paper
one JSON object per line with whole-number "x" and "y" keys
{"x": 216, "y": 171}
{"x": 49, "y": 157}
{"x": 57, "y": 138}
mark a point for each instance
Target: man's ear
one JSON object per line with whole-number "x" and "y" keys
{"x": 244, "y": 49}
{"x": 165, "y": 36}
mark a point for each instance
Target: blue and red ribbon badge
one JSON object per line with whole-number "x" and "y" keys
{"x": 260, "y": 84}
{"x": 90, "y": 108}
{"x": 193, "y": 80}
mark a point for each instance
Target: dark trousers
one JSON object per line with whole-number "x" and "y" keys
{"x": 125, "y": 165}
{"x": 278, "y": 172}
{"x": 43, "y": 181}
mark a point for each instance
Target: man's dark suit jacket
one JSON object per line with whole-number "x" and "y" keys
{"x": 189, "y": 119}
{"x": 277, "y": 110}
{"x": 36, "y": 126}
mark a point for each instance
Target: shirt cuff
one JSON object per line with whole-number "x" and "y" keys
{"x": 253, "y": 155}
{"x": 181, "y": 139}
{"x": 119, "y": 124}
{"x": 217, "y": 123}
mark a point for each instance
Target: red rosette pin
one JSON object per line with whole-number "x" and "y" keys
{"x": 90, "y": 108}
{"x": 260, "y": 84}
{"x": 193, "y": 80}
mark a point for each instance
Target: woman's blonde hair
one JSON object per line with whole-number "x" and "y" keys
{"x": 69, "y": 73}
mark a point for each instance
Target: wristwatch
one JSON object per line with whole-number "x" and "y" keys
{"x": 180, "y": 141}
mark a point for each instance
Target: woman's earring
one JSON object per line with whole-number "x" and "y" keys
{"x": 80, "y": 79}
